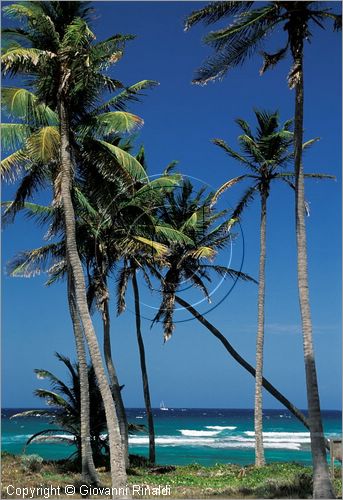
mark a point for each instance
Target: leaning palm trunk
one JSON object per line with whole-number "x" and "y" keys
{"x": 258, "y": 416}
{"x": 89, "y": 474}
{"x": 117, "y": 462}
{"x": 114, "y": 383}
{"x": 266, "y": 384}
{"x": 322, "y": 486}
{"x": 146, "y": 391}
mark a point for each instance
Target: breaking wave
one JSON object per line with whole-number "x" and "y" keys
{"x": 189, "y": 432}
{"x": 221, "y": 427}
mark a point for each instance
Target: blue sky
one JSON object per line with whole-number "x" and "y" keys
{"x": 193, "y": 369}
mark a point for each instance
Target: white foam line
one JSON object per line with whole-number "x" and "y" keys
{"x": 221, "y": 427}
{"x": 190, "y": 432}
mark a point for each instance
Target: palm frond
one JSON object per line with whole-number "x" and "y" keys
{"x": 198, "y": 282}
{"x": 172, "y": 236}
{"x": 20, "y": 59}
{"x": 77, "y": 35}
{"x": 270, "y": 60}
{"x": 247, "y": 197}
{"x": 114, "y": 122}
{"x": 202, "y": 252}
{"x": 54, "y": 399}
{"x": 228, "y": 271}
{"x": 56, "y": 383}
{"x": 44, "y": 145}
{"x": 233, "y": 46}
{"x": 35, "y": 178}
{"x": 34, "y": 262}
{"x": 126, "y": 162}
{"x": 170, "y": 167}
{"x": 23, "y": 104}
{"x": 32, "y": 413}
{"x": 53, "y": 436}
{"x": 215, "y": 11}
{"x": 310, "y": 143}
{"x": 154, "y": 191}
{"x": 14, "y": 135}
{"x": 122, "y": 283}
{"x": 227, "y": 185}
{"x": 233, "y": 154}
{"x": 191, "y": 222}
{"x": 42, "y": 214}
{"x": 159, "y": 248}
{"x": 12, "y": 166}
{"x": 130, "y": 94}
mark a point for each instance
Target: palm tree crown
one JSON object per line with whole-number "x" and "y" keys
{"x": 247, "y": 33}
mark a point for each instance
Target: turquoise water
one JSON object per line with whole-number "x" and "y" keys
{"x": 183, "y": 435}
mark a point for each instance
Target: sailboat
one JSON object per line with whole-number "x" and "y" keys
{"x": 163, "y": 407}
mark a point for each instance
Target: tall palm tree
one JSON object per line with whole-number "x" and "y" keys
{"x": 195, "y": 216}
{"x": 68, "y": 76}
{"x": 128, "y": 272}
{"x": 88, "y": 470}
{"x": 265, "y": 155}
{"x": 127, "y": 231}
{"x": 103, "y": 238}
{"x": 233, "y": 44}
{"x": 135, "y": 237}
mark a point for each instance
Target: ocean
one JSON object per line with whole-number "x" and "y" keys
{"x": 185, "y": 435}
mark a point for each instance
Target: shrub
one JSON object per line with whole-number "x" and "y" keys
{"x": 31, "y": 463}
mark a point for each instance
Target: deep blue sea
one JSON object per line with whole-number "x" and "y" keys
{"x": 185, "y": 435}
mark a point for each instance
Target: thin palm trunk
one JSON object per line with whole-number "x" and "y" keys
{"x": 89, "y": 474}
{"x": 117, "y": 461}
{"x": 146, "y": 391}
{"x": 258, "y": 416}
{"x": 322, "y": 486}
{"x": 266, "y": 384}
{"x": 114, "y": 383}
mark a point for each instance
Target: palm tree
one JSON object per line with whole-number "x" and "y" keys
{"x": 265, "y": 155}
{"x": 68, "y": 76}
{"x": 195, "y": 216}
{"x": 233, "y": 44}
{"x": 88, "y": 470}
{"x": 66, "y": 413}
{"x": 192, "y": 214}
{"x": 50, "y": 259}
{"x": 129, "y": 271}
{"x": 103, "y": 237}
{"x": 65, "y": 398}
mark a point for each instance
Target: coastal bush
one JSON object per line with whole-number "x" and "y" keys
{"x": 31, "y": 463}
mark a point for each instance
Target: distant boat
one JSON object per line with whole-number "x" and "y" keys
{"x": 163, "y": 407}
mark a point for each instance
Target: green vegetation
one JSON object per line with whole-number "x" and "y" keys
{"x": 278, "y": 480}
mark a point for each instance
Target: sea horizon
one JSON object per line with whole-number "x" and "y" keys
{"x": 189, "y": 435}
{"x": 178, "y": 408}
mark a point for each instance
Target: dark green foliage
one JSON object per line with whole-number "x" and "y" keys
{"x": 65, "y": 400}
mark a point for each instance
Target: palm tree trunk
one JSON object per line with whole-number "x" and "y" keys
{"x": 117, "y": 462}
{"x": 258, "y": 416}
{"x": 114, "y": 383}
{"x": 89, "y": 474}
{"x": 266, "y": 384}
{"x": 322, "y": 486}
{"x": 146, "y": 391}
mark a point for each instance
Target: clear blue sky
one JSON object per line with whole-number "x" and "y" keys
{"x": 192, "y": 369}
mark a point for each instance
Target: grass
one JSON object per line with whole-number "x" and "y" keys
{"x": 276, "y": 480}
